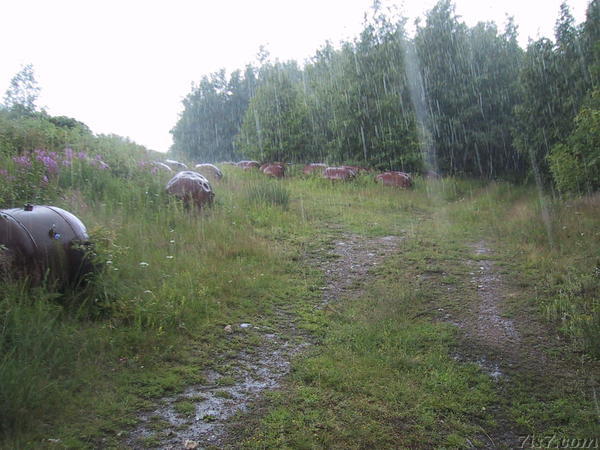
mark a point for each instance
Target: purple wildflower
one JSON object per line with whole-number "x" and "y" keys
{"x": 49, "y": 163}
{"x": 22, "y": 160}
{"x": 97, "y": 162}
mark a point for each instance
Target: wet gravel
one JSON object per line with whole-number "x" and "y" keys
{"x": 217, "y": 402}
{"x": 489, "y": 326}
{"x": 220, "y": 398}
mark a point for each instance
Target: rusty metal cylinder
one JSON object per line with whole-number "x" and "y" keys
{"x": 43, "y": 242}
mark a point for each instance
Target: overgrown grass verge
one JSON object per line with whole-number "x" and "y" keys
{"x": 78, "y": 366}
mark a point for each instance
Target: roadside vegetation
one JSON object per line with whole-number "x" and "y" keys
{"x": 391, "y": 365}
{"x": 382, "y": 374}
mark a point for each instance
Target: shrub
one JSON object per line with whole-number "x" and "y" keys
{"x": 575, "y": 165}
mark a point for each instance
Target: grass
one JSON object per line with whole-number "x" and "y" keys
{"x": 79, "y": 365}
{"x": 171, "y": 280}
{"x": 385, "y": 375}
{"x": 185, "y": 408}
{"x": 558, "y": 245}
{"x": 269, "y": 192}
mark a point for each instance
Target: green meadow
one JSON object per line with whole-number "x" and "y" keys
{"x": 78, "y": 366}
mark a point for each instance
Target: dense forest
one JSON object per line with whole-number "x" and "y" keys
{"x": 455, "y": 99}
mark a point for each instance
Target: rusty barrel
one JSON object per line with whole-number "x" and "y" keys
{"x": 39, "y": 241}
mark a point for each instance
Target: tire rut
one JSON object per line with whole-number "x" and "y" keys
{"x": 223, "y": 400}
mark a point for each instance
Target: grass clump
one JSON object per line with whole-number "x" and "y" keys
{"x": 269, "y": 192}
{"x": 185, "y": 408}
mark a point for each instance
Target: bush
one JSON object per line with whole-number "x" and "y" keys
{"x": 575, "y": 165}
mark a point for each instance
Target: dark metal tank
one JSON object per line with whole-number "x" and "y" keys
{"x": 43, "y": 241}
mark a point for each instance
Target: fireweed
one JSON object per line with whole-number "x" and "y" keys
{"x": 32, "y": 176}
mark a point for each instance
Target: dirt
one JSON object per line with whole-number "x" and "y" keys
{"x": 488, "y": 324}
{"x": 356, "y": 255}
{"x": 491, "y": 339}
{"x": 226, "y": 396}
{"x": 504, "y": 347}
{"x": 503, "y": 341}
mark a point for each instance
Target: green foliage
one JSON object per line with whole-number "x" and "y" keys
{"x": 22, "y": 133}
{"x": 591, "y": 41}
{"x": 212, "y": 117}
{"x": 269, "y": 192}
{"x": 22, "y": 94}
{"x": 371, "y": 117}
{"x": 275, "y": 124}
{"x": 469, "y": 79}
{"x": 69, "y": 123}
{"x": 535, "y": 129}
{"x": 554, "y": 81}
{"x": 455, "y": 99}
{"x": 31, "y": 326}
{"x": 575, "y": 165}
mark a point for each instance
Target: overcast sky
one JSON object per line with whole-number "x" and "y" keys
{"x": 123, "y": 66}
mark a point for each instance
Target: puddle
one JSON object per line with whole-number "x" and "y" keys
{"x": 487, "y": 366}
{"x": 216, "y": 402}
{"x": 224, "y": 395}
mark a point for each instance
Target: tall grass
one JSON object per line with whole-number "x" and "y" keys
{"x": 165, "y": 274}
{"x": 269, "y": 192}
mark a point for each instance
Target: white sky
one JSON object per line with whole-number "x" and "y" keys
{"x": 123, "y": 66}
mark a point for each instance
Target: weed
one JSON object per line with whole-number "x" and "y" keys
{"x": 185, "y": 407}
{"x": 269, "y": 192}
{"x": 224, "y": 394}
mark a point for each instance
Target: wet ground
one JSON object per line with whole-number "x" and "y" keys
{"x": 491, "y": 339}
{"x": 488, "y": 324}
{"x": 506, "y": 348}
{"x": 211, "y": 406}
{"x": 203, "y": 414}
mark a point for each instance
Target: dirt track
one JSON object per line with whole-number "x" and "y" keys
{"x": 227, "y": 395}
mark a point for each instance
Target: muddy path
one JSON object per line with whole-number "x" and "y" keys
{"x": 490, "y": 338}
{"x": 509, "y": 336}
{"x": 487, "y": 325}
{"x": 203, "y": 415}
{"x": 509, "y": 343}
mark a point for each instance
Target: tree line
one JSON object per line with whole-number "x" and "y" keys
{"x": 456, "y": 99}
